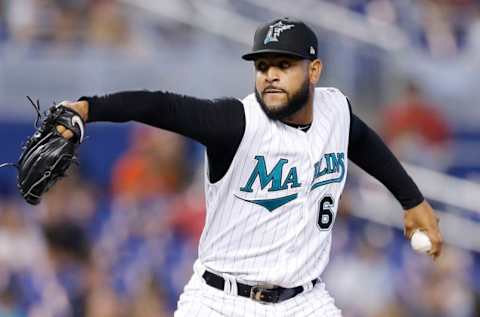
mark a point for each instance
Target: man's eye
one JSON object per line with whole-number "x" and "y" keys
{"x": 284, "y": 64}
{"x": 261, "y": 66}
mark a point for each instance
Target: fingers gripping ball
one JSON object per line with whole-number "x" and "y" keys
{"x": 420, "y": 241}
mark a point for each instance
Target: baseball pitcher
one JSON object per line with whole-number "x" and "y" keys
{"x": 275, "y": 168}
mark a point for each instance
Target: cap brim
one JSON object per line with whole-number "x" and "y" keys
{"x": 254, "y": 55}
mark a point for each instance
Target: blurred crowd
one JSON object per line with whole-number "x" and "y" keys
{"x": 120, "y": 251}
{"x": 64, "y": 22}
{"x": 127, "y": 249}
{"x": 374, "y": 273}
{"x": 442, "y": 51}
{"x": 440, "y": 27}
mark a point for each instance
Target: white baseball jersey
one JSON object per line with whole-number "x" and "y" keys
{"x": 269, "y": 219}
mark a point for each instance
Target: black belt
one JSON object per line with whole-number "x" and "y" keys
{"x": 257, "y": 293}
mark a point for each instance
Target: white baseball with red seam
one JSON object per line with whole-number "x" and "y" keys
{"x": 420, "y": 241}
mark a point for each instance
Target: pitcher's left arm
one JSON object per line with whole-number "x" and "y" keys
{"x": 367, "y": 150}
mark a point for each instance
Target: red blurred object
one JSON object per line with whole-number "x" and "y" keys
{"x": 414, "y": 115}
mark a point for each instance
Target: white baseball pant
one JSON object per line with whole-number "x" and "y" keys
{"x": 202, "y": 300}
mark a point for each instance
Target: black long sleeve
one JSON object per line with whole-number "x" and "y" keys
{"x": 220, "y": 124}
{"x": 206, "y": 121}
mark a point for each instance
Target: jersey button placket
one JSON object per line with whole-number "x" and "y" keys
{"x": 309, "y": 172}
{"x": 304, "y": 193}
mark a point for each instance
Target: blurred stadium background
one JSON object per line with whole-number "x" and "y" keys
{"x": 118, "y": 237}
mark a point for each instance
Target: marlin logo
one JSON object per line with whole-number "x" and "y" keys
{"x": 275, "y": 30}
{"x": 273, "y": 179}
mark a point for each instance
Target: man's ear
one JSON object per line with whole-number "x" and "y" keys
{"x": 314, "y": 71}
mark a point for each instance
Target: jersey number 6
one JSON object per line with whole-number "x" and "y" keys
{"x": 325, "y": 213}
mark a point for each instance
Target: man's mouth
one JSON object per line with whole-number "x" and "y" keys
{"x": 273, "y": 91}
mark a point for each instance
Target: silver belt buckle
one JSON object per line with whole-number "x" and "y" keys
{"x": 260, "y": 293}
{"x": 256, "y": 293}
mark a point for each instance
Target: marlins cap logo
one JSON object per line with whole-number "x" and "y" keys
{"x": 275, "y": 30}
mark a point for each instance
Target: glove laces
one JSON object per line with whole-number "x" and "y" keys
{"x": 36, "y": 106}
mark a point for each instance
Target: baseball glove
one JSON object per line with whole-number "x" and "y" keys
{"x": 46, "y": 155}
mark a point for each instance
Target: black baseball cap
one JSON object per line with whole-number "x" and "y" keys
{"x": 284, "y": 36}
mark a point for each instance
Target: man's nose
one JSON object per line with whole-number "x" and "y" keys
{"x": 272, "y": 74}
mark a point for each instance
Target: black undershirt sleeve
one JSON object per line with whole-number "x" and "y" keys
{"x": 218, "y": 124}
{"x": 367, "y": 150}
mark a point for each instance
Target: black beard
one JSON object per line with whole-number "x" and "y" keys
{"x": 294, "y": 104}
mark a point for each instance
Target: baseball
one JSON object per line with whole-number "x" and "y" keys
{"x": 420, "y": 242}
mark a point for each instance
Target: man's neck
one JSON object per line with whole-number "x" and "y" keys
{"x": 301, "y": 127}
{"x": 303, "y": 116}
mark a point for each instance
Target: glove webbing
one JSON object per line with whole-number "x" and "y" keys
{"x": 39, "y": 116}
